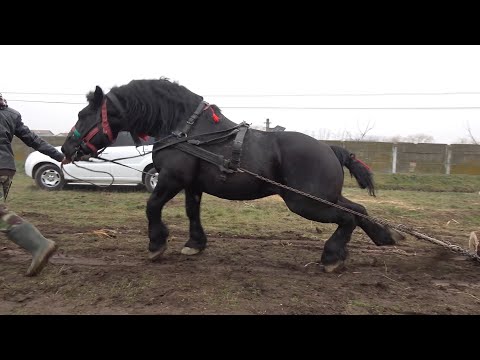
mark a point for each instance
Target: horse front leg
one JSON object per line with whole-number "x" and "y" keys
{"x": 198, "y": 240}
{"x": 165, "y": 190}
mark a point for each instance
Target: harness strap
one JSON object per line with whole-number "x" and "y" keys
{"x": 91, "y": 134}
{"x": 88, "y": 137}
{"x": 191, "y": 146}
{"x": 193, "y": 139}
{"x": 237, "y": 146}
{"x": 191, "y": 120}
{"x": 91, "y": 147}
{"x": 212, "y": 141}
{"x": 113, "y": 98}
{"x": 105, "y": 124}
{"x": 169, "y": 144}
{"x": 206, "y": 155}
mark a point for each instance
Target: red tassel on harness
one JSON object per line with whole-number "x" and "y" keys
{"x": 143, "y": 136}
{"x": 360, "y": 161}
{"x": 215, "y": 116}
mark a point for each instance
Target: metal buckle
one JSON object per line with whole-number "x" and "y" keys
{"x": 179, "y": 134}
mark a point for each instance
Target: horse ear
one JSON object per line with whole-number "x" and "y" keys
{"x": 95, "y": 98}
{"x": 98, "y": 96}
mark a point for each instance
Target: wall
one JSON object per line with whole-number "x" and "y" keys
{"x": 416, "y": 158}
{"x": 464, "y": 159}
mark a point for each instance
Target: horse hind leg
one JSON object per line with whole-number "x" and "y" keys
{"x": 198, "y": 240}
{"x": 335, "y": 249}
{"x": 380, "y": 235}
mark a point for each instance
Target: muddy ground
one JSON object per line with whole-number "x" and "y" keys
{"x": 107, "y": 271}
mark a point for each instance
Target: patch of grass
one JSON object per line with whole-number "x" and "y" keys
{"x": 359, "y": 303}
{"x": 418, "y": 182}
{"x": 71, "y": 216}
{"x": 451, "y": 212}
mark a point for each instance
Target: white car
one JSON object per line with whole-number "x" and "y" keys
{"x": 48, "y": 174}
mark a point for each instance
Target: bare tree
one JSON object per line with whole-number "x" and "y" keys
{"x": 414, "y": 138}
{"x": 324, "y": 134}
{"x": 470, "y": 134}
{"x": 394, "y": 139}
{"x": 463, "y": 140}
{"x": 364, "y": 131}
{"x": 347, "y": 135}
{"x": 420, "y": 138}
{"x": 361, "y": 135}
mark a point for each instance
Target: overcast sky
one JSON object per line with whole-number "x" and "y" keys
{"x": 219, "y": 72}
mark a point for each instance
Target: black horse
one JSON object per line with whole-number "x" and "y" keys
{"x": 202, "y": 151}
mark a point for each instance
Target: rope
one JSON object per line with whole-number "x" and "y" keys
{"x": 399, "y": 227}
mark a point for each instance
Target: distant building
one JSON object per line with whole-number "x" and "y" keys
{"x": 276, "y": 128}
{"x": 62, "y": 134}
{"x": 43, "y": 132}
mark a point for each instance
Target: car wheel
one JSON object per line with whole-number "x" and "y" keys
{"x": 151, "y": 179}
{"x": 49, "y": 177}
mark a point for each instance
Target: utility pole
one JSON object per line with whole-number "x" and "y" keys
{"x": 267, "y": 127}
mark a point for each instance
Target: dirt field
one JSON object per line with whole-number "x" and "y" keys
{"x": 106, "y": 271}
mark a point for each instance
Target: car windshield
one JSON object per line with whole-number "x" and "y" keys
{"x": 125, "y": 139}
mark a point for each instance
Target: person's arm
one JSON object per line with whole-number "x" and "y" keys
{"x": 36, "y": 142}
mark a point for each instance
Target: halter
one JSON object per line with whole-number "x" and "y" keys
{"x": 105, "y": 125}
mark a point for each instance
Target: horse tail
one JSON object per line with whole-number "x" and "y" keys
{"x": 357, "y": 168}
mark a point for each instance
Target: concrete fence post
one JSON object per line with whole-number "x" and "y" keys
{"x": 448, "y": 159}
{"x": 394, "y": 158}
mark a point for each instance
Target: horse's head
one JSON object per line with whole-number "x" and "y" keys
{"x": 97, "y": 126}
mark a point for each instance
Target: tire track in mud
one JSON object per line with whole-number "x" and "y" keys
{"x": 173, "y": 259}
{"x": 241, "y": 275}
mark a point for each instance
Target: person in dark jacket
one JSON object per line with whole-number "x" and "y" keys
{"x": 18, "y": 230}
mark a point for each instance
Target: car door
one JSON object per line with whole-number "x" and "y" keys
{"x": 124, "y": 147}
{"x": 94, "y": 170}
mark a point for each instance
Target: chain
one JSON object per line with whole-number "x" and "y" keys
{"x": 399, "y": 227}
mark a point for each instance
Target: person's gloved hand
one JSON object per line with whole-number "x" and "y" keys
{"x": 66, "y": 161}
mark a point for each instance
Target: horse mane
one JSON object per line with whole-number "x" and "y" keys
{"x": 156, "y": 106}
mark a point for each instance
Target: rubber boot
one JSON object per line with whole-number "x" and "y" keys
{"x": 29, "y": 238}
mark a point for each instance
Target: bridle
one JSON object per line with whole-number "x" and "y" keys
{"x": 102, "y": 126}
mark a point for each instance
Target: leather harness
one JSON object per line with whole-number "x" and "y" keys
{"x": 191, "y": 144}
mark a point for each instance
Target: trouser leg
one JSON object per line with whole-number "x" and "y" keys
{"x": 23, "y": 233}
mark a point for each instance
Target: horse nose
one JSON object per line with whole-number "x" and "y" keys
{"x": 65, "y": 151}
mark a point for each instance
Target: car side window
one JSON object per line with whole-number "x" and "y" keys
{"x": 123, "y": 139}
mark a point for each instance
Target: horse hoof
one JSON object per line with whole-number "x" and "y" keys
{"x": 157, "y": 254}
{"x": 396, "y": 235}
{"x": 336, "y": 267}
{"x": 189, "y": 251}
